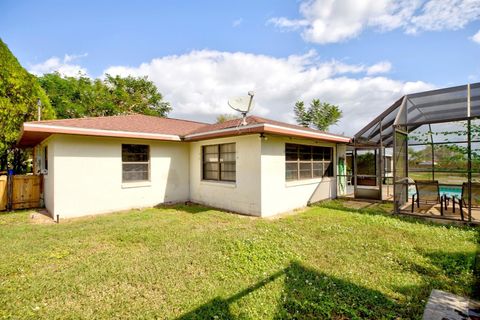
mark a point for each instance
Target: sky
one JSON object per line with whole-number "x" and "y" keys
{"x": 361, "y": 55}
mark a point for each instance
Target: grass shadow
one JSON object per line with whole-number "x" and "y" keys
{"x": 457, "y": 267}
{"x": 189, "y": 207}
{"x": 219, "y": 308}
{"x": 476, "y": 270}
{"x": 195, "y": 208}
{"x": 308, "y": 294}
{"x": 448, "y": 271}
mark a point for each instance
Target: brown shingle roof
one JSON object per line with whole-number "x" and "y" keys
{"x": 253, "y": 120}
{"x": 131, "y": 123}
{"x": 151, "y": 127}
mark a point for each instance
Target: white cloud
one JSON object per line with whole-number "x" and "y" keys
{"x": 73, "y": 57}
{"x": 476, "y": 37}
{"x": 199, "y": 83}
{"x": 237, "y": 22}
{"x": 63, "y": 66}
{"x": 445, "y": 15}
{"x": 381, "y": 67}
{"x": 287, "y": 23}
{"x": 329, "y": 21}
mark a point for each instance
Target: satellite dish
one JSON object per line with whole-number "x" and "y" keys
{"x": 242, "y": 105}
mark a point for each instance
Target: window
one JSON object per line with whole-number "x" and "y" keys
{"x": 307, "y": 162}
{"x": 135, "y": 162}
{"x": 219, "y": 162}
{"x": 45, "y": 158}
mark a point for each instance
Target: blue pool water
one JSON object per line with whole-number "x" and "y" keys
{"x": 449, "y": 191}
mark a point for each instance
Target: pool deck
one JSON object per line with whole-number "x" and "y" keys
{"x": 435, "y": 212}
{"x": 425, "y": 211}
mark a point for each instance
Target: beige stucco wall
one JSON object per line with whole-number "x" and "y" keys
{"x": 85, "y": 176}
{"x": 87, "y": 173}
{"x": 260, "y": 188}
{"x": 242, "y": 196}
{"x": 49, "y": 176}
{"x": 280, "y": 196}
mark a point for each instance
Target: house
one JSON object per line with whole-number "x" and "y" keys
{"x": 105, "y": 164}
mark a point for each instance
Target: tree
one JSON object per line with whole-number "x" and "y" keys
{"x": 221, "y": 118}
{"x": 76, "y": 97}
{"x": 324, "y": 114}
{"x": 19, "y": 95}
{"x": 301, "y": 114}
{"x": 84, "y": 97}
{"x": 137, "y": 95}
{"x": 319, "y": 114}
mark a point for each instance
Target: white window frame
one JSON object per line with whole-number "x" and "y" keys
{"x": 136, "y": 162}
{"x": 219, "y": 162}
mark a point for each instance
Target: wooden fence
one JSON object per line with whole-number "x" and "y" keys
{"x": 3, "y": 193}
{"x": 20, "y": 192}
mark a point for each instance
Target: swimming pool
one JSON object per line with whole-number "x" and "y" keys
{"x": 450, "y": 191}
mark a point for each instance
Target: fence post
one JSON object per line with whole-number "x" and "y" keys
{"x": 9, "y": 190}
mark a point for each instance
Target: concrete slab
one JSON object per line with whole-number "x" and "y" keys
{"x": 442, "y": 305}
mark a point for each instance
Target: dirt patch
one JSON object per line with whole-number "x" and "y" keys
{"x": 41, "y": 217}
{"x": 351, "y": 204}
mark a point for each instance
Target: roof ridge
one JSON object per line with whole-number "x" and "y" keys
{"x": 226, "y": 122}
{"x": 263, "y": 120}
{"x": 299, "y": 126}
{"x": 118, "y": 116}
{"x": 187, "y": 120}
{"x": 95, "y": 117}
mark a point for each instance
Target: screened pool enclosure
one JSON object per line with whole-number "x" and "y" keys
{"x": 422, "y": 153}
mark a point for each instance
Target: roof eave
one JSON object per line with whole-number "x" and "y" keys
{"x": 267, "y": 128}
{"x": 286, "y": 131}
{"x": 29, "y": 139}
{"x": 30, "y": 128}
{"x": 34, "y": 133}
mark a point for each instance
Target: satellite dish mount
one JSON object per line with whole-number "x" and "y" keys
{"x": 242, "y": 105}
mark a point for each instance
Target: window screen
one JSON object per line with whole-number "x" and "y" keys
{"x": 219, "y": 162}
{"x": 45, "y": 158}
{"x": 307, "y": 162}
{"x": 135, "y": 162}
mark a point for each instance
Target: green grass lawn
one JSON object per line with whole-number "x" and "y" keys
{"x": 190, "y": 262}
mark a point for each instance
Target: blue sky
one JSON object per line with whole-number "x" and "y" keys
{"x": 199, "y": 53}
